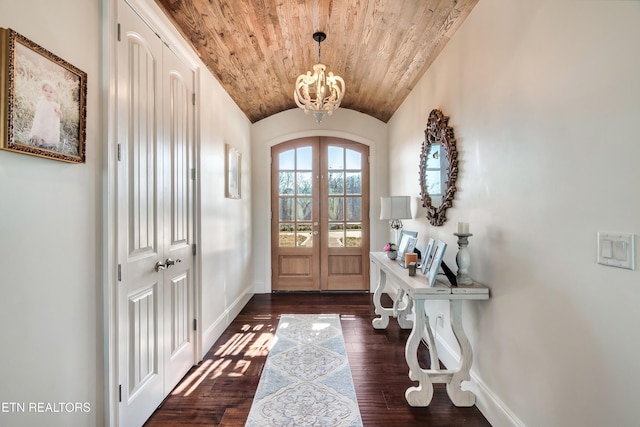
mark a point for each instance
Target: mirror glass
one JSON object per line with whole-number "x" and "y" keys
{"x": 438, "y": 167}
{"x": 435, "y": 176}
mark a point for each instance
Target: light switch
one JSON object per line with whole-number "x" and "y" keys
{"x": 616, "y": 250}
{"x": 606, "y": 248}
{"x": 620, "y": 250}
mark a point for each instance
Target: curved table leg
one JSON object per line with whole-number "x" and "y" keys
{"x": 423, "y": 393}
{"x": 458, "y": 396}
{"x": 383, "y": 321}
{"x": 403, "y": 312}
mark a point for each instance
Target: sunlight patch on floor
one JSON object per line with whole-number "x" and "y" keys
{"x": 207, "y": 368}
{"x": 252, "y": 341}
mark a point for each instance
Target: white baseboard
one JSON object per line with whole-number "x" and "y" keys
{"x": 213, "y": 332}
{"x": 494, "y": 409}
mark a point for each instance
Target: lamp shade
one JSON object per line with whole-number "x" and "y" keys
{"x": 395, "y": 207}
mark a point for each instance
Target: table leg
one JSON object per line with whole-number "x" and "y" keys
{"x": 423, "y": 393}
{"x": 404, "y": 312}
{"x": 458, "y": 396}
{"x": 383, "y": 321}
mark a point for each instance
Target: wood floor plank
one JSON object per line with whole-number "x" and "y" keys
{"x": 219, "y": 391}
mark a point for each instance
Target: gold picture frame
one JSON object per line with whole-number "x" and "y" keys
{"x": 42, "y": 101}
{"x": 233, "y": 169}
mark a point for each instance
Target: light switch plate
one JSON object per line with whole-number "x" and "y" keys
{"x": 616, "y": 250}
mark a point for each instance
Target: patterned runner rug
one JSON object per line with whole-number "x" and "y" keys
{"x": 306, "y": 380}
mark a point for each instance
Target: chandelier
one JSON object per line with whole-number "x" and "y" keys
{"x": 319, "y": 93}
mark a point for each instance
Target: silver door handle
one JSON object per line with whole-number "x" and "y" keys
{"x": 315, "y": 233}
{"x": 169, "y": 262}
{"x": 160, "y": 266}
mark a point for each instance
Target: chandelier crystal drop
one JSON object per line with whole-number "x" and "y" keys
{"x": 319, "y": 93}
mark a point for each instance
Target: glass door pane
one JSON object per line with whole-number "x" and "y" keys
{"x": 295, "y": 202}
{"x": 344, "y": 200}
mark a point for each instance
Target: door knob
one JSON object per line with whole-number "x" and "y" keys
{"x": 315, "y": 233}
{"x": 160, "y": 266}
{"x": 169, "y": 262}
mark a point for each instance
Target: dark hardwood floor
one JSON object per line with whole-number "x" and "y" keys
{"x": 219, "y": 391}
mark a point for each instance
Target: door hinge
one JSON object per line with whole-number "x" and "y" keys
{"x": 119, "y": 272}
{"x": 195, "y": 324}
{"x": 193, "y": 98}
{"x": 119, "y": 156}
{"x": 118, "y": 32}
{"x": 193, "y": 249}
{"x": 193, "y": 174}
{"x": 120, "y": 393}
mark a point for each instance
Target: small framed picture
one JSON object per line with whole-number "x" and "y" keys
{"x": 438, "y": 253}
{"x": 407, "y": 245}
{"x": 428, "y": 256}
{"x": 407, "y": 233}
{"x": 233, "y": 164}
{"x": 42, "y": 101}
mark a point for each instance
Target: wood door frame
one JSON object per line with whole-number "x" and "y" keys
{"x": 321, "y": 245}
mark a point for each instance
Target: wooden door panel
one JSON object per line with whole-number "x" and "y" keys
{"x": 345, "y": 215}
{"x": 295, "y": 245}
{"x": 295, "y": 272}
{"x": 295, "y": 265}
{"x": 345, "y": 265}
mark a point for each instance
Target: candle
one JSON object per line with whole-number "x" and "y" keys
{"x": 463, "y": 228}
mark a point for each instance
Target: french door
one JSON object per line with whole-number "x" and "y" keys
{"x": 320, "y": 215}
{"x": 155, "y": 291}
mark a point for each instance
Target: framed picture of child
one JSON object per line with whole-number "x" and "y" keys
{"x": 42, "y": 101}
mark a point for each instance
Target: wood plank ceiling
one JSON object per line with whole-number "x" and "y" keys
{"x": 257, "y": 48}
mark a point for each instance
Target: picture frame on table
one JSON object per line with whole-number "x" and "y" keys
{"x": 407, "y": 245}
{"x": 428, "y": 255}
{"x": 406, "y": 233}
{"x": 233, "y": 170}
{"x": 438, "y": 254}
{"x": 42, "y": 101}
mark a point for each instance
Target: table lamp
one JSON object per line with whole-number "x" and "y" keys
{"x": 395, "y": 209}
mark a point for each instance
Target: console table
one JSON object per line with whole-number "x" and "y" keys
{"x": 418, "y": 291}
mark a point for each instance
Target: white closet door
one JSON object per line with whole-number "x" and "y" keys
{"x": 178, "y": 219}
{"x": 155, "y": 219}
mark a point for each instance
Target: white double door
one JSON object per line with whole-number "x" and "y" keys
{"x": 155, "y": 292}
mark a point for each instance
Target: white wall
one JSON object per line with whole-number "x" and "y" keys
{"x": 50, "y": 243}
{"x": 293, "y": 124}
{"x": 226, "y": 228}
{"x": 544, "y": 99}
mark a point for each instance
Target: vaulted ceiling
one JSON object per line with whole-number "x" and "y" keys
{"x": 257, "y": 48}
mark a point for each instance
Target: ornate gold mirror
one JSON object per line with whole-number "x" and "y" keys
{"x": 438, "y": 167}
